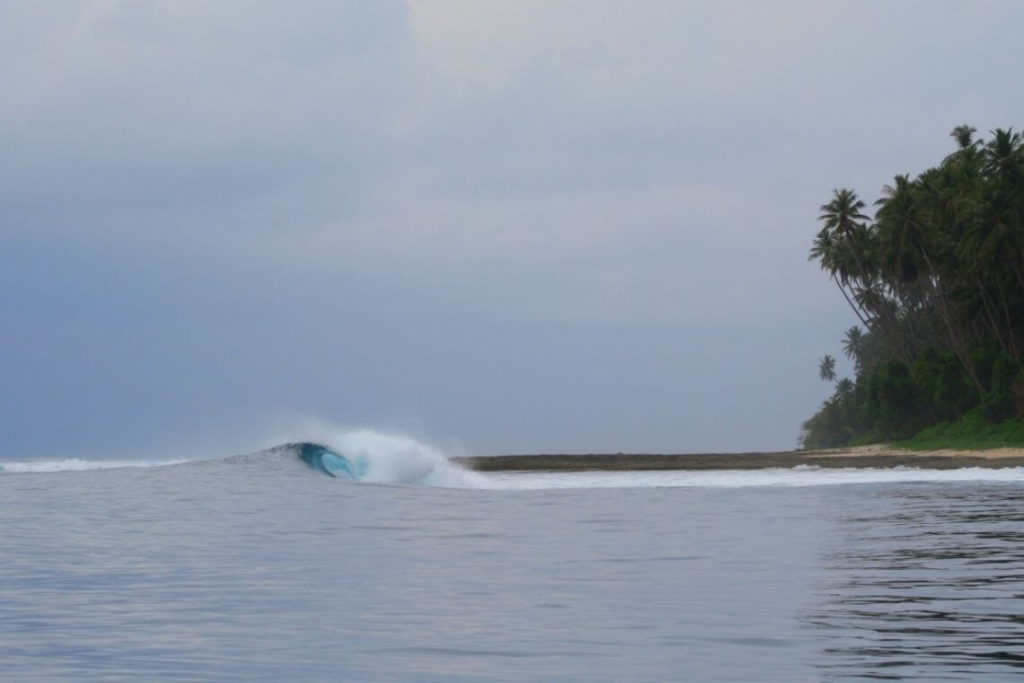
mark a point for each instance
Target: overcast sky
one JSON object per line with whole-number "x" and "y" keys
{"x": 502, "y": 227}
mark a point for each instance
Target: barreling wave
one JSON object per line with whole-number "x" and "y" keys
{"x": 361, "y": 456}
{"x": 372, "y": 457}
{"x": 322, "y": 459}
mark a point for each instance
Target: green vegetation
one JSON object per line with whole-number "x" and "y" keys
{"x": 972, "y": 432}
{"x": 936, "y": 280}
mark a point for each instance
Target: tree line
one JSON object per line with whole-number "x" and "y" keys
{"x": 936, "y": 281}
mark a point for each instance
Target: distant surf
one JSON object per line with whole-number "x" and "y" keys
{"x": 771, "y": 477}
{"x": 367, "y": 456}
{"x": 44, "y": 465}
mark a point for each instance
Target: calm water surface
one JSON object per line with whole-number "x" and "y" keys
{"x": 260, "y": 569}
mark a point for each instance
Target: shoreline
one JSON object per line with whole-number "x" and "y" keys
{"x": 877, "y": 456}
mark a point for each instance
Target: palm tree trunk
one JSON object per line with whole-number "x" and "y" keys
{"x": 959, "y": 348}
{"x": 1014, "y": 350}
{"x": 989, "y": 307}
{"x": 856, "y": 310}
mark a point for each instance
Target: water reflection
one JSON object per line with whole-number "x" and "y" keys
{"x": 927, "y": 582}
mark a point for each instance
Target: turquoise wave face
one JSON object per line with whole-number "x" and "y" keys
{"x": 328, "y": 462}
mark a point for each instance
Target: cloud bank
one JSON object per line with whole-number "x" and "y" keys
{"x": 532, "y": 225}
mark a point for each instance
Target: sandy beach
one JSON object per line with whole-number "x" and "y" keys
{"x": 862, "y": 456}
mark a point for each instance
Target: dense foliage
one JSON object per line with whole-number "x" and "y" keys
{"x": 936, "y": 280}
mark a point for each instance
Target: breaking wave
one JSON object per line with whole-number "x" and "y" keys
{"x": 372, "y": 457}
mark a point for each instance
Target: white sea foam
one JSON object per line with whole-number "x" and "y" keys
{"x": 77, "y": 464}
{"x": 797, "y": 476}
{"x": 396, "y": 459}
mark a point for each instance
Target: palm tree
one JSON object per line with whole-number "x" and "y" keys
{"x": 827, "y": 368}
{"x": 847, "y": 244}
{"x": 992, "y": 249}
{"x": 901, "y": 232}
{"x": 843, "y": 212}
{"x": 843, "y": 219}
{"x": 1001, "y": 225}
{"x": 853, "y": 346}
{"x": 1003, "y": 156}
{"x": 964, "y": 136}
{"x": 937, "y": 282}
{"x": 826, "y": 252}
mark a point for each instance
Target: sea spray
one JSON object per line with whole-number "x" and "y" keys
{"x": 396, "y": 459}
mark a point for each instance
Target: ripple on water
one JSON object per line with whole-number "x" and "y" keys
{"x": 930, "y": 586}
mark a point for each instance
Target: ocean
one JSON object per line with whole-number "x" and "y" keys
{"x": 264, "y": 567}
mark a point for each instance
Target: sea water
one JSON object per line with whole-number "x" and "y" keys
{"x": 261, "y": 568}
